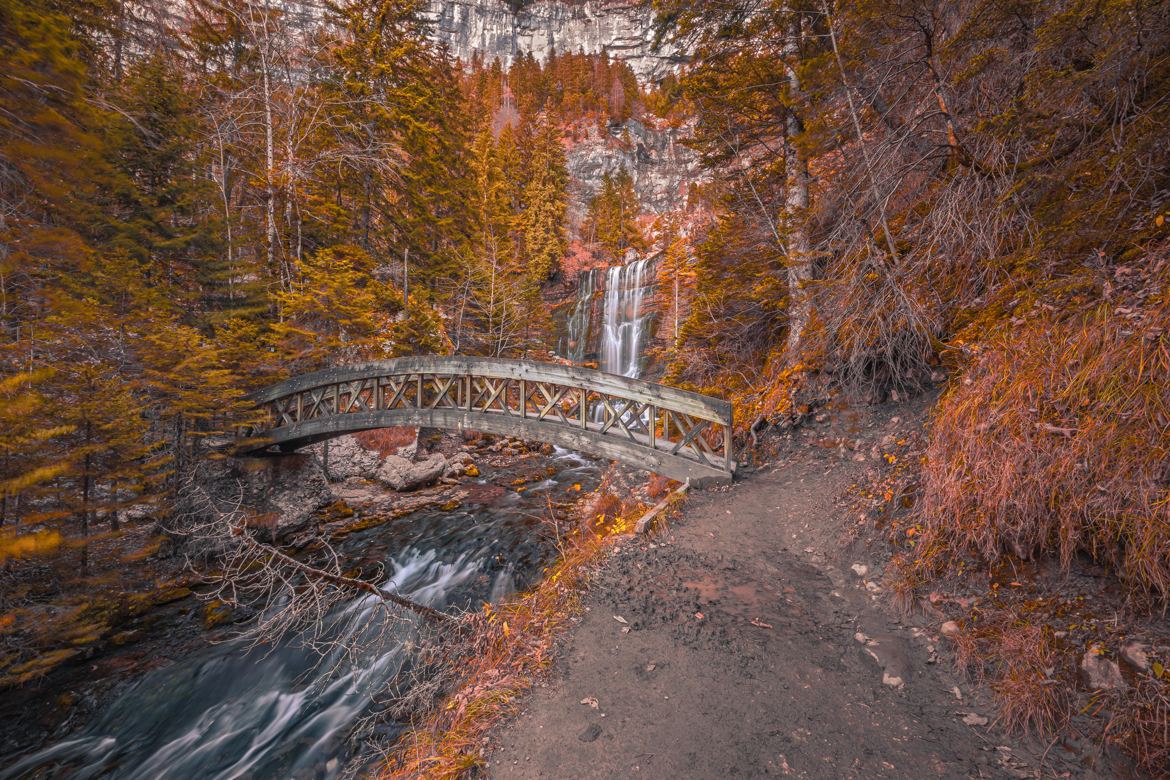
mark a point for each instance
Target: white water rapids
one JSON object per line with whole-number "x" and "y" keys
{"x": 227, "y": 712}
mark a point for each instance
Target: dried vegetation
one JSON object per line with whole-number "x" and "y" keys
{"x": 474, "y": 683}
{"x": 1057, "y": 438}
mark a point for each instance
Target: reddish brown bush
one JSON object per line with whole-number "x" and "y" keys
{"x": 1029, "y": 696}
{"x": 1022, "y": 664}
{"x": 1057, "y": 439}
{"x": 387, "y": 441}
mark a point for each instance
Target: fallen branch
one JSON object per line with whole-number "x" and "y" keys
{"x": 341, "y": 580}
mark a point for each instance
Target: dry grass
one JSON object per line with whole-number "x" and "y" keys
{"x": 1021, "y": 662}
{"x": 508, "y": 648}
{"x": 659, "y": 486}
{"x": 1141, "y": 724}
{"x": 1030, "y": 698}
{"x": 1057, "y": 439}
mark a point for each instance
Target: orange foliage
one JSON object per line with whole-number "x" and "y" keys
{"x": 387, "y": 441}
{"x": 1057, "y": 439}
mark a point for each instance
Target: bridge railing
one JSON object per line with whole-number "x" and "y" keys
{"x": 622, "y": 417}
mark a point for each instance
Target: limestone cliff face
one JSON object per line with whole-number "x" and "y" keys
{"x": 661, "y": 166}
{"x": 506, "y": 29}
{"x": 498, "y": 29}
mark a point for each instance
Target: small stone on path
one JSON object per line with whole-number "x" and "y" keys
{"x": 590, "y": 734}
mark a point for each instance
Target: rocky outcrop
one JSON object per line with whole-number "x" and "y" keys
{"x": 345, "y": 458}
{"x": 501, "y": 30}
{"x": 293, "y": 488}
{"x": 281, "y": 494}
{"x": 662, "y": 167}
{"x": 401, "y": 475}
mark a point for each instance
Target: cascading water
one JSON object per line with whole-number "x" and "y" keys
{"x": 282, "y": 711}
{"x": 626, "y": 324}
{"x": 576, "y": 348}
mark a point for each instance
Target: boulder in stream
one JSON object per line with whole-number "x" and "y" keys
{"x": 402, "y": 475}
{"x": 346, "y": 458}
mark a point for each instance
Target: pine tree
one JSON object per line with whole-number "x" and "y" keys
{"x": 611, "y": 222}
{"x": 167, "y": 222}
{"x": 26, "y": 429}
{"x": 419, "y": 331}
{"x": 336, "y": 312}
{"x": 544, "y": 218}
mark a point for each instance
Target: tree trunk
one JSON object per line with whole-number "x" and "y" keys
{"x": 796, "y": 203}
{"x": 269, "y": 149}
{"x": 85, "y": 492}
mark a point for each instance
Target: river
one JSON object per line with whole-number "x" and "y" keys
{"x": 284, "y": 712}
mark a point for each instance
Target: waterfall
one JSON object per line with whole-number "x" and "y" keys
{"x": 577, "y": 346}
{"x": 627, "y": 320}
{"x": 615, "y": 329}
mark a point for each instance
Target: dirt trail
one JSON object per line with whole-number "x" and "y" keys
{"x": 753, "y": 649}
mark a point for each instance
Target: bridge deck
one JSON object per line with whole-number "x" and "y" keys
{"x": 673, "y": 432}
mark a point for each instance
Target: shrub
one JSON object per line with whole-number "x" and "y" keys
{"x": 1022, "y": 664}
{"x": 387, "y": 441}
{"x": 1057, "y": 439}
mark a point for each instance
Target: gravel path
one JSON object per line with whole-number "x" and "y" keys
{"x": 748, "y": 647}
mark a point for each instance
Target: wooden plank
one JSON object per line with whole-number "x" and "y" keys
{"x": 675, "y": 495}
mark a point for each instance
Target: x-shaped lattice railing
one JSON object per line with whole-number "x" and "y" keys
{"x": 655, "y": 426}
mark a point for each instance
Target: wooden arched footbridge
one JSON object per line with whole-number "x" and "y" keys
{"x": 678, "y": 434}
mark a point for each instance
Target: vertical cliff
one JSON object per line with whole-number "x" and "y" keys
{"x": 496, "y": 29}
{"x": 662, "y": 167}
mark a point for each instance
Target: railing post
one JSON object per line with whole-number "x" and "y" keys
{"x": 653, "y": 427}
{"x": 523, "y": 399}
{"x": 728, "y": 445}
{"x": 584, "y": 407}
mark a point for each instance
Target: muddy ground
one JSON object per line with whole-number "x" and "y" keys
{"x": 742, "y": 642}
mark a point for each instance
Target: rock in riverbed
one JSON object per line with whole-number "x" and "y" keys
{"x": 346, "y": 458}
{"x": 401, "y": 474}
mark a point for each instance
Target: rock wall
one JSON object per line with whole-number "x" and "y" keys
{"x": 662, "y": 167}
{"x": 502, "y": 30}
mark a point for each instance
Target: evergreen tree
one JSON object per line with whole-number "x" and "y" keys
{"x": 336, "y": 312}
{"x": 612, "y": 220}
{"x": 544, "y": 218}
{"x": 419, "y": 331}
{"x": 25, "y": 432}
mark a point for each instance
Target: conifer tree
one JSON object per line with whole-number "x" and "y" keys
{"x": 611, "y": 222}
{"x": 543, "y": 221}
{"x": 419, "y": 331}
{"x": 336, "y": 312}
{"x": 25, "y": 431}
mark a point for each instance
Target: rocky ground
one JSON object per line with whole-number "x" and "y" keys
{"x": 755, "y": 637}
